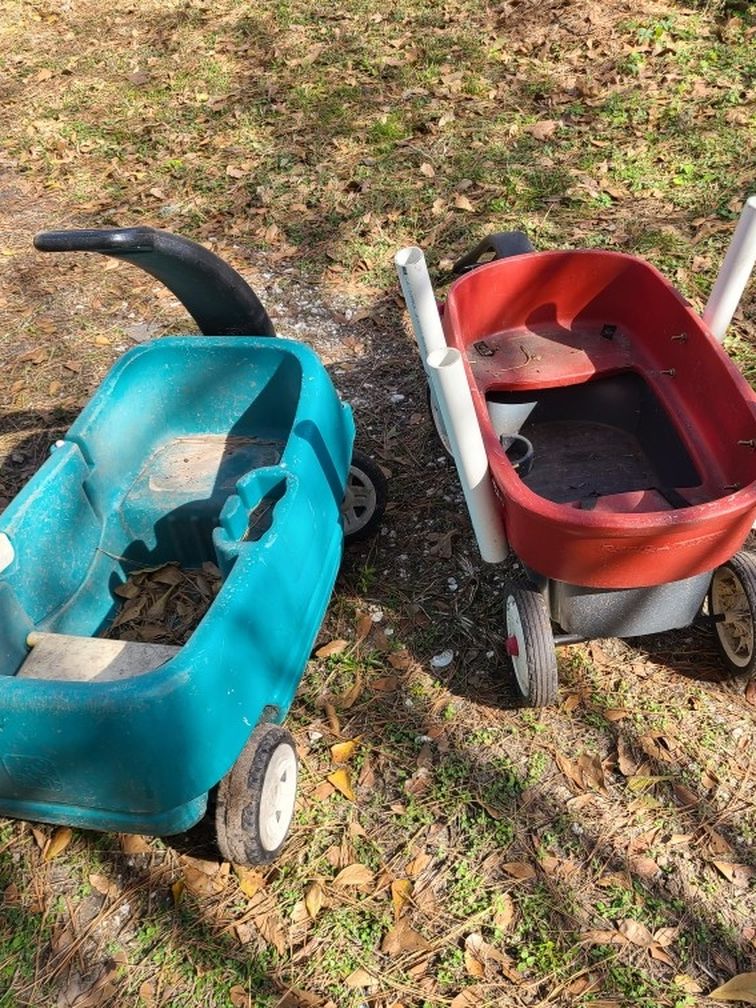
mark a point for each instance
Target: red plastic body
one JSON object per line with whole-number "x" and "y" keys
{"x": 544, "y": 315}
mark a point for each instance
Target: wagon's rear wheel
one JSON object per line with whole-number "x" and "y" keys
{"x": 255, "y": 803}
{"x": 530, "y": 645}
{"x": 732, "y": 598}
{"x": 364, "y": 498}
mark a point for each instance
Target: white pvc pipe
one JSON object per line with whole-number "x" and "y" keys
{"x": 421, "y": 301}
{"x": 733, "y": 276}
{"x": 449, "y": 385}
{"x": 7, "y": 553}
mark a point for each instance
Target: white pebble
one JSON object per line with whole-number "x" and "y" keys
{"x": 443, "y": 659}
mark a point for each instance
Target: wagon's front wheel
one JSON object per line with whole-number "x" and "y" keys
{"x": 732, "y": 602}
{"x": 364, "y": 499}
{"x": 255, "y": 803}
{"x": 530, "y": 645}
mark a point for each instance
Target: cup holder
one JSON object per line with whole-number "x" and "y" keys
{"x": 519, "y": 451}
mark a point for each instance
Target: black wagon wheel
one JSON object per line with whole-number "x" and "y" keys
{"x": 732, "y": 602}
{"x": 530, "y": 645}
{"x": 364, "y": 499}
{"x": 255, "y": 803}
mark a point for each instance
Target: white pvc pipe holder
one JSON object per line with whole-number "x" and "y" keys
{"x": 734, "y": 274}
{"x": 421, "y": 301}
{"x": 7, "y": 553}
{"x": 449, "y": 385}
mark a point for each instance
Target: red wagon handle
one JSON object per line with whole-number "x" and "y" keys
{"x": 503, "y": 244}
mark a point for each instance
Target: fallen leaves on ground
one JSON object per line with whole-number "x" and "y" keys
{"x": 740, "y": 988}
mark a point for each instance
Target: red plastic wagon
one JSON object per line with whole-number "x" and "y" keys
{"x": 621, "y": 445}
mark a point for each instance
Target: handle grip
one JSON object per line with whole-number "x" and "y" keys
{"x": 503, "y": 244}
{"x": 217, "y": 298}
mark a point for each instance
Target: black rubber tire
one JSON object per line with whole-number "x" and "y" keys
{"x": 743, "y": 567}
{"x": 365, "y": 519}
{"x": 238, "y": 804}
{"x": 438, "y": 423}
{"x": 535, "y": 668}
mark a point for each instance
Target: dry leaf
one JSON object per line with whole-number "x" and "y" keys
{"x": 470, "y": 997}
{"x": 333, "y": 718}
{"x": 133, "y": 843}
{"x": 737, "y": 874}
{"x": 202, "y": 883}
{"x": 685, "y": 795}
{"x": 364, "y": 626}
{"x": 750, "y": 692}
{"x": 645, "y": 867}
{"x": 427, "y": 170}
{"x": 635, "y": 932}
{"x": 239, "y": 997}
{"x": 400, "y": 660}
{"x": 616, "y": 713}
{"x": 147, "y": 993}
{"x": 463, "y": 203}
{"x": 595, "y": 937}
{"x": 592, "y": 772}
{"x": 658, "y": 747}
{"x": 740, "y": 988}
{"x": 250, "y": 881}
{"x": 504, "y": 913}
{"x": 641, "y": 783}
{"x": 626, "y": 762}
{"x": 474, "y": 967}
{"x": 313, "y": 899}
{"x": 354, "y": 875}
{"x": 386, "y": 684}
{"x": 322, "y": 791}
{"x": 343, "y": 751}
{"x": 342, "y": 781}
{"x": 103, "y": 885}
{"x": 619, "y": 879}
{"x": 715, "y": 842}
{"x": 336, "y": 647}
{"x": 177, "y": 890}
{"x": 657, "y": 952}
{"x": 402, "y": 938}
{"x": 542, "y": 129}
{"x": 687, "y": 983}
{"x": 401, "y": 895}
{"x": 666, "y": 935}
{"x": 60, "y": 839}
{"x": 519, "y": 869}
{"x": 361, "y": 978}
{"x": 348, "y": 698}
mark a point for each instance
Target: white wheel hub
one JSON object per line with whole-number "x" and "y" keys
{"x": 279, "y": 792}
{"x": 360, "y": 501}
{"x": 520, "y": 659}
{"x": 735, "y": 631}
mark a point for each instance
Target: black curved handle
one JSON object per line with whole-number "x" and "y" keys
{"x": 503, "y": 244}
{"x": 217, "y": 298}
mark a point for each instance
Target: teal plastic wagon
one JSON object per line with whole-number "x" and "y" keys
{"x": 228, "y": 448}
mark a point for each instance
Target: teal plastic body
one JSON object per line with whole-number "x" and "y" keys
{"x": 193, "y": 449}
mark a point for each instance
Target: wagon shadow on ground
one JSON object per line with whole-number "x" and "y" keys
{"x": 471, "y": 805}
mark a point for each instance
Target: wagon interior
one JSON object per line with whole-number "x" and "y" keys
{"x": 181, "y": 443}
{"x": 598, "y": 362}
